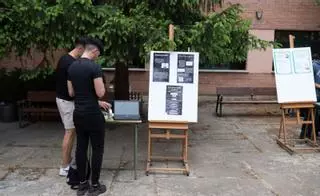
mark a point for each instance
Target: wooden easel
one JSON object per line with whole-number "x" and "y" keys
{"x": 168, "y": 127}
{"x": 291, "y": 144}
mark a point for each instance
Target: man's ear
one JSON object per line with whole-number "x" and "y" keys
{"x": 97, "y": 52}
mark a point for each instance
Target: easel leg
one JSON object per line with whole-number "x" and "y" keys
{"x": 281, "y": 128}
{"x": 182, "y": 150}
{"x": 186, "y": 146}
{"x": 284, "y": 127}
{"x": 307, "y": 125}
{"x": 151, "y": 148}
{"x": 135, "y": 150}
{"x": 185, "y": 157}
{"x": 149, "y": 152}
{"x": 314, "y": 137}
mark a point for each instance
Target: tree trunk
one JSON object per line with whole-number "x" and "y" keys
{"x": 121, "y": 82}
{"x": 44, "y": 62}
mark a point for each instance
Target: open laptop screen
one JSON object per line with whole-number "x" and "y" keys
{"x": 126, "y": 107}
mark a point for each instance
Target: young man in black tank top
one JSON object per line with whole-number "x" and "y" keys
{"x": 85, "y": 84}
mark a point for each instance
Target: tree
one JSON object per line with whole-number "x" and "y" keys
{"x": 129, "y": 34}
{"x": 219, "y": 37}
{"x": 37, "y": 24}
{"x": 45, "y": 25}
{"x": 129, "y": 29}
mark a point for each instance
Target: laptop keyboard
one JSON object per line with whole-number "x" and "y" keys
{"x": 126, "y": 117}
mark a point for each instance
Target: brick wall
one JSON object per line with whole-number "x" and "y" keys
{"x": 208, "y": 81}
{"x": 282, "y": 14}
{"x": 31, "y": 61}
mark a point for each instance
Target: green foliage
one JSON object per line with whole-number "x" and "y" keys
{"x": 226, "y": 37}
{"x": 128, "y": 36}
{"x": 129, "y": 29}
{"x": 37, "y": 73}
{"x": 36, "y": 24}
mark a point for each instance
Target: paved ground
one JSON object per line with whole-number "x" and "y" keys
{"x": 233, "y": 155}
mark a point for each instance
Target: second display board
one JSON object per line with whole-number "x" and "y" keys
{"x": 173, "y": 86}
{"x": 294, "y": 75}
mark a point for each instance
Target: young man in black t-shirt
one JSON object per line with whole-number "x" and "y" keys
{"x": 85, "y": 83}
{"x": 65, "y": 102}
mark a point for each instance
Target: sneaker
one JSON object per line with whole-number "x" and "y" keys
{"x": 64, "y": 171}
{"x": 97, "y": 189}
{"x": 83, "y": 188}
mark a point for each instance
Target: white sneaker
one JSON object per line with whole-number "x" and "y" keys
{"x": 64, "y": 171}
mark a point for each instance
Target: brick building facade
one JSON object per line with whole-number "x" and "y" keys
{"x": 275, "y": 15}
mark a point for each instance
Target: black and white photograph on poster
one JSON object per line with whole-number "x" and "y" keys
{"x": 174, "y": 100}
{"x": 185, "y": 68}
{"x": 161, "y": 67}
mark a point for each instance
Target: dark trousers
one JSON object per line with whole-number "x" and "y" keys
{"x": 89, "y": 127}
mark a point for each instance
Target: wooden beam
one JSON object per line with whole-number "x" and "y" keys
{"x": 171, "y": 32}
{"x": 291, "y": 40}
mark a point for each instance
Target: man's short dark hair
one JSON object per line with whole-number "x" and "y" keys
{"x": 80, "y": 41}
{"x": 95, "y": 42}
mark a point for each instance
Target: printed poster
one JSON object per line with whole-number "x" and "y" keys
{"x": 302, "y": 62}
{"x": 282, "y": 62}
{"x": 161, "y": 67}
{"x": 185, "y": 68}
{"x": 174, "y": 100}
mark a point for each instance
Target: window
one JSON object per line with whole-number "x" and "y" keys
{"x": 302, "y": 39}
{"x": 98, "y": 2}
{"x": 229, "y": 66}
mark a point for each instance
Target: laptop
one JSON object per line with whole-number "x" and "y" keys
{"x": 126, "y": 110}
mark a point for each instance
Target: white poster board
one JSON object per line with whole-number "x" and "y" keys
{"x": 294, "y": 75}
{"x": 173, "y": 86}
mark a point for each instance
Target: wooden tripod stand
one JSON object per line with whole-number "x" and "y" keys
{"x": 291, "y": 144}
{"x": 168, "y": 126}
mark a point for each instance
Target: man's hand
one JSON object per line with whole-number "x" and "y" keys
{"x": 104, "y": 105}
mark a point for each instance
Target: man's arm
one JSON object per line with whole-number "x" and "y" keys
{"x": 98, "y": 81}
{"x": 99, "y": 87}
{"x": 70, "y": 89}
{"x": 97, "y": 77}
{"x": 317, "y": 85}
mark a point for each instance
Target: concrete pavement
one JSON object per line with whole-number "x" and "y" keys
{"x": 233, "y": 155}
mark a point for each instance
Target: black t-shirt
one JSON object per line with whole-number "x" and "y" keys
{"x": 82, "y": 73}
{"x": 62, "y": 76}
